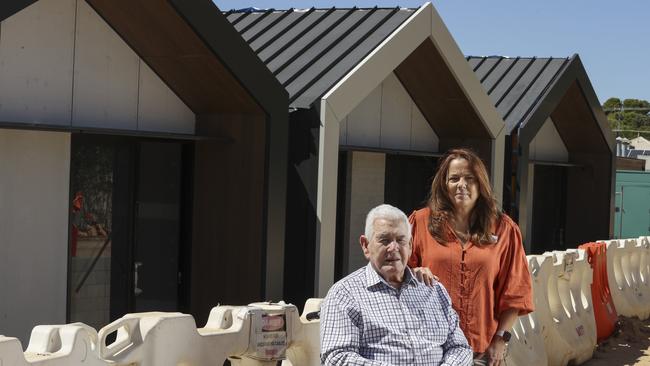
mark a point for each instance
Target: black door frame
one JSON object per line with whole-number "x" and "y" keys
{"x": 122, "y": 299}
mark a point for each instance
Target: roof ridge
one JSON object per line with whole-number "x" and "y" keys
{"x": 263, "y": 10}
{"x": 468, "y": 57}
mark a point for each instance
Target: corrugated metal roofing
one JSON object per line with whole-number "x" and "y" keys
{"x": 516, "y": 85}
{"x": 310, "y": 50}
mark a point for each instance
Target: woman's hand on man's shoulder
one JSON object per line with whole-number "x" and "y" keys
{"x": 424, "y": 274}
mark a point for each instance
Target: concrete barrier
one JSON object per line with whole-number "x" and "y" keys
{"x": 53, "y": 345}
{"x": 526, "y": 347}
{"x": 562, "y": 294}
{"x": 627, "y": 271}
{"x": 561, "y": 331}
{"x": 304, "y": 348}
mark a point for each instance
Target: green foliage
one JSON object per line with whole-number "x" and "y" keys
{"x": 628, "y": 118}
{"x": 612, "y": 104}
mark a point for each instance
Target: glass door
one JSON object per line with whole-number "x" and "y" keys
{"x": 157, "y": 227}
{"x": 126, "y": 228}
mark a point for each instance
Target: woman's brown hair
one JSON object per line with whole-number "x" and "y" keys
{"x": 485, "y": 212}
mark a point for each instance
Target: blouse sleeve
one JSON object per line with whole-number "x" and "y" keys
{"x": 416, "y": 254}
{"x": 514, "y": 289}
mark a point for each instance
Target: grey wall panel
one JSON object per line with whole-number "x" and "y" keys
{"x": 366, "y": 191}
{"x": 159, "y": 109}
{"x": 423, "y": 138}
{"x": 388, "y": 118}
{"x": 396, "y": 115}
{"x": 364, "y": 122}
{"x": 36, "y": 51}
{"x": 106, "y": 75}
{"x": 343, "y": 132}
{"x": 34, "y": 190}
{"x": 61, "y": 64}
{"x": 547, "y": 145}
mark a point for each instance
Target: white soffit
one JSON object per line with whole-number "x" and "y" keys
{"x": 370, "y": 72}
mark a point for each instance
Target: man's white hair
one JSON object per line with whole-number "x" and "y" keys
{"x": 386, "y": 212}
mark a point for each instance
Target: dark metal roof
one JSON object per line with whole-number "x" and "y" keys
{"x": 310, "y": 50}
{"x": 516, "y": 85}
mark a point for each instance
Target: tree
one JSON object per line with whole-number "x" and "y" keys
{"x": 628, "y": 118}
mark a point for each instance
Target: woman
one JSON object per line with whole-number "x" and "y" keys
{"x": 464, "y": 240}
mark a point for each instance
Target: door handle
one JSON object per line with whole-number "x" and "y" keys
{"x": 136, "y": 290}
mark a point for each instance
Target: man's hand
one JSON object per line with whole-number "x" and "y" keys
{"x": 423, "y": 274}
{"x": 496, "y": 351}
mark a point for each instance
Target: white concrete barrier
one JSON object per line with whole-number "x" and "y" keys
{"x": 526, "y": 347}
{"x": 557, "y": 349}
{"x": 53, "y": 345}
{"x": 562, "y": 294}
{"x": 561, "y": 331}
{"x": 304, "y": 348}
{"x": 627, "y": 272}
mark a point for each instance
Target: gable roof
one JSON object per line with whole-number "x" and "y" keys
{"x": 192, "y": 48}
{"x": 516, "y": 84}
{"x": 528, "y": 90}
{"x": 310, "y": 50}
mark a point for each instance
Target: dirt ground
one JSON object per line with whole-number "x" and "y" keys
{"x": 629, "y": 345}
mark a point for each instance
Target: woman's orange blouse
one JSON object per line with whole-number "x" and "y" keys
{"x": 482, "y": 280}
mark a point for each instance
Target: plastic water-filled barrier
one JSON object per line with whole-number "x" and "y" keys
{"x": 627, "y": 270}
{"x": 601, "y": 296}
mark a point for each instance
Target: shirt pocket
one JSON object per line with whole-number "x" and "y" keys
{"x": 433, "y": 326}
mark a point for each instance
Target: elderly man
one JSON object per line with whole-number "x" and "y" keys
{"x": 381, "y": 314}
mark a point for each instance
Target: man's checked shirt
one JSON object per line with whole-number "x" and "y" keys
{"x": 365, "y": 321}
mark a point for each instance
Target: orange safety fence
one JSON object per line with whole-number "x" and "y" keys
{"x": 604, "y": 309}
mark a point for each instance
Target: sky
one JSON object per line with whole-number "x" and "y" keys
{"x": 612, "y": 37}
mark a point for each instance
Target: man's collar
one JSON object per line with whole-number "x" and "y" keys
{"x": 373, "y": 278}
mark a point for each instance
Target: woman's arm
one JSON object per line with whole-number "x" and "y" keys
{"x": 496, "y": 350}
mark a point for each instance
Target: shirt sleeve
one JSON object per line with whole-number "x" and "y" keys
{"x": 416, "y": 254}
{"x": 514, "y": 290}
{"x": 340, "y": 330}
{"x": 455, "y": 351}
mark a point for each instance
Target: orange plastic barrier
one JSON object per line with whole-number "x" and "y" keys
{"x": 604, "y": 309}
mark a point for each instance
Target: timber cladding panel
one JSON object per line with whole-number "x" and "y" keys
{"x": 228, "y": 245}
{"x": 438, "y": 95}
{"x": 576, "y": 124}
{"x": 589, "y": 185}
{"x": 165, "y": 41}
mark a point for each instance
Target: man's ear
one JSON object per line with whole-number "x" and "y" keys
{"x": 364, "y": 245}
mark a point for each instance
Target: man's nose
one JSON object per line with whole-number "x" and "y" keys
{"x": 393, "y": 246}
